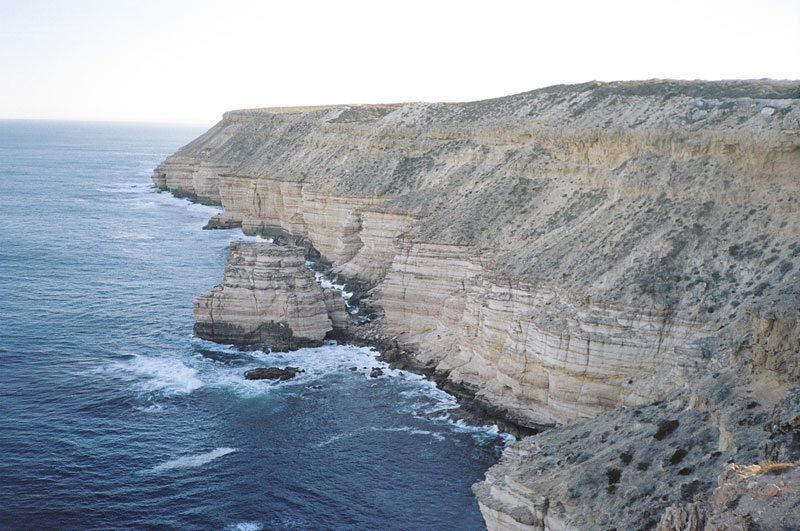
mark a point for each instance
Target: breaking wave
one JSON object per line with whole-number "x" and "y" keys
{"x": 192, "y": 461}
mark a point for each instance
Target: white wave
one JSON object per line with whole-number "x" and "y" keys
{"x": 414, "y": 431}
{"x": 149, "y": 198}
{"x": 192, "y": 461}
{"x": 143, "y": 205}
{"x": 339, "y": 437}
{"x": 320, "y": 361}
{"x": 425, "y": 401}
{"x": 164, "y": 375}
{"x": 124, "y": 188}
{"x": 317, "y": 363}
{"x": 245, "y": 238}
{"x": 245, "y": 526}
{"x": 481, "y": 431}
{"x": 325, "y": 282}
{"x": 420, "y": 398}
{"x": 152, "y": 408}
{"x": 128, "y": 235}
{"x": 203, "y": 209}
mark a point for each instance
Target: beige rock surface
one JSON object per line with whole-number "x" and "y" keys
{"x": 561, "y": 252}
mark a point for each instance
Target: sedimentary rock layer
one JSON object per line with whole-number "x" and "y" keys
{"x": 560, "y": 252}
{"x": 268, "y": 296}
{"x": 556, "y": 254}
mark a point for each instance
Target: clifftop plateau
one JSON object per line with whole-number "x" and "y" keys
{"x": 570, "y": 255}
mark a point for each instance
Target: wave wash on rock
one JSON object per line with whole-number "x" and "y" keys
{"x": 555, "y": 255}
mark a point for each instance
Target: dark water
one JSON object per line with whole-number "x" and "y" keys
{"x": 115, "y": 417}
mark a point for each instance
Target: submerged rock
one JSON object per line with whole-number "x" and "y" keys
{"x": 223, "y": 221}
{"x": 271, "y": 373}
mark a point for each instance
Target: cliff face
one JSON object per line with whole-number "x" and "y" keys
{"x": 558, "y": 253}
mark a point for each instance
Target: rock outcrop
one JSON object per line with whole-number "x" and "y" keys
{"x": 783, "y": 427}
{"x": 268, "y": 296}
{"x": 556, "y": 255}
{"x": 762, "y": 496}
{"x": 271, "y": 373}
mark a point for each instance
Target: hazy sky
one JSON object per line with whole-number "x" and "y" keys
{"x": 189, "y": 61}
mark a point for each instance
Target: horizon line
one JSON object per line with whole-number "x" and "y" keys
{"x": 106, "y": 120}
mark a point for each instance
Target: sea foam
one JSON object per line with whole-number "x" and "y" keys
{"x": 167, "y": 376}
{"x": 245, "y": 526}
{"x": 192, "y": 461}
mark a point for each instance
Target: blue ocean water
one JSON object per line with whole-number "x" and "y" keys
{"x": 113, "y": 416}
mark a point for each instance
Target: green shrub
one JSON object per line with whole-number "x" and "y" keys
{"x": 665, "y": 427}
{"x": 678, "y": 456}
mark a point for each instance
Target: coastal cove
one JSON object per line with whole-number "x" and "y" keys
{"x": 115, "y": 415}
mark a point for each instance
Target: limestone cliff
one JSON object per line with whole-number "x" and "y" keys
{"x": 556, "y": 254}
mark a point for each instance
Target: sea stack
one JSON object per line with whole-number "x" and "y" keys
{"x": 268, "y": 296}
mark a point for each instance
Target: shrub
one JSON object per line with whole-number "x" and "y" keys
{"x": 665, "y": 427}
{"x": 678, "y": 456}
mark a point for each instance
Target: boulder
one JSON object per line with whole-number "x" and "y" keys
{"x": 271, "y": 373}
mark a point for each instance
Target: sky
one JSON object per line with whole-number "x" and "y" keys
{"x": 189, "y": 61}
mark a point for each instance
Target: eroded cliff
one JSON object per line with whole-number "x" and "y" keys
{"x": 556, "y": 254}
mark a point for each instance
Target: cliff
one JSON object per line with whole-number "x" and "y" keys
{"x": 556, "y": 254}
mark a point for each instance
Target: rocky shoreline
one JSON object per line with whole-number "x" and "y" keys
{"x": 603, "y": 259}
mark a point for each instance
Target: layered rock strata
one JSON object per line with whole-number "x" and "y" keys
{"x": 556, "y": 254}
{"x": 268, "y": 296}
{"x": 271, "y": 373}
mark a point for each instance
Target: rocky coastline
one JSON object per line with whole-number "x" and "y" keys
{"x": 603, "y": 260}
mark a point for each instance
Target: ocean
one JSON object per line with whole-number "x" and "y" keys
{"x": 113, "y": 416}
